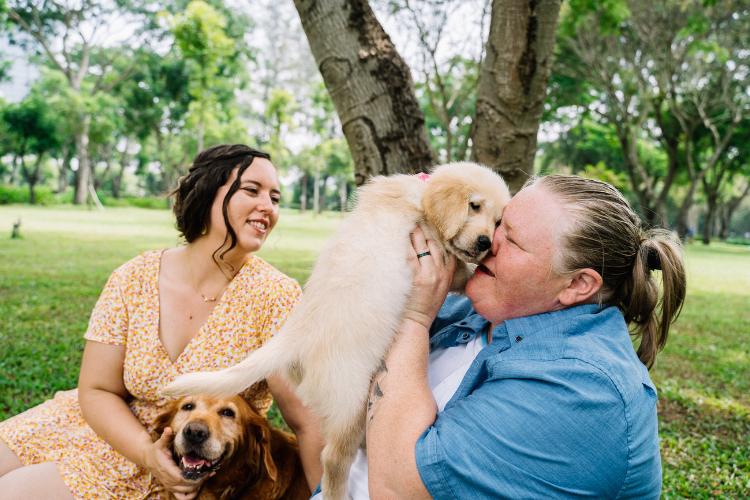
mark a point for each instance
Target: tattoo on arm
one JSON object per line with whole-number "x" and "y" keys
{"x": 376, "y": 392}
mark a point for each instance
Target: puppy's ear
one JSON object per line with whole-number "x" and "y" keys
{"x": 445, "y": 205}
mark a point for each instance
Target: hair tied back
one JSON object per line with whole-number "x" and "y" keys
{"x": 653, "y": 259}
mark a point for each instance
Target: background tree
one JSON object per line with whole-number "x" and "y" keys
{"x": 513, "y": 87}
{"x": 67, "y": 32}
{"x": 202, "y": 43}
{"x": 370, "y": 85}
{"x": 33, "y": 129}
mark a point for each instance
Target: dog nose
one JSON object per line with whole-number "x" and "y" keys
{"x": 483, "y": 243}
{"x": 196, "y": 432}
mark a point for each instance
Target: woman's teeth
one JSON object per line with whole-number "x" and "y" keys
{"x": 259, "y": 225}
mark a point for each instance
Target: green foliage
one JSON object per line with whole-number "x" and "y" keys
{"x": 20, "y": 194}
{"x": 448, "y": 100}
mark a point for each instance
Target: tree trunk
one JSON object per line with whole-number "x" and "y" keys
{"x": 682, "y": 223}
{"x": 370, "y": 85}
{"x": 303, "y": 194}
{"x": 322, "y": 196}
{"x": 342, "y": 195}
{"x": 82, "y": 174}
{"x": 14, "y": 170}
{"x": 117, "y": 179}
{"x": 513, "y": 87}
{"x": 62, "y": 179}
{"x": 32, "y": 177}
{"x": 708, "y": 221}
{"x": 316, "y": 194}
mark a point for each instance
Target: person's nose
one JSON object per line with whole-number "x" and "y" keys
{"x": 496, "y": 240}
{"x": 265, "y": 204}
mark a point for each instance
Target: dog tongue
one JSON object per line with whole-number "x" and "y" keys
{"x": 193, "y": 460}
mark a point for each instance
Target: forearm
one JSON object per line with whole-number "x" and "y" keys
{"x": 310, "y": 447}
{"x": 304, "y": 423}
{"x": 400, "y": 408}
{"x": 112, "y": 419}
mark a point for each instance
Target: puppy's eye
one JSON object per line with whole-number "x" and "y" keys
{"x": 475, "y": 206}
{"x": 227, "y": 413}
{"x": 497, "y": 224}
{"x": 188, "y": 407}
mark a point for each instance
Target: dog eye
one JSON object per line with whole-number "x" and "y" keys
{"x": 497, "y": 224}
{"x": 188, "y": 407}
{"x": 475, "y": 206}
{"x": 227, "y": 413}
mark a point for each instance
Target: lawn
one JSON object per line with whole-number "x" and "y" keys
{"x": 51, "y": 277}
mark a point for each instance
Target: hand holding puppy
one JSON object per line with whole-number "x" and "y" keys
{"x": 432, "y": 279}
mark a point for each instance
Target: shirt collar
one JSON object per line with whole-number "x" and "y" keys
{"x": 540, "y": 326}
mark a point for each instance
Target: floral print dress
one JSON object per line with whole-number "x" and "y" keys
{"x": 255, "y": 304}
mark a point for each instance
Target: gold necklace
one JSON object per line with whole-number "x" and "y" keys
{"x": 190, "y": 271}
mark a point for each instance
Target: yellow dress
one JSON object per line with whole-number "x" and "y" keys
{"x": 252, "y": 308}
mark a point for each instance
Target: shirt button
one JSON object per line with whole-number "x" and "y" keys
{"x": 519, "y": 338}
{"x": 465, "y": 336}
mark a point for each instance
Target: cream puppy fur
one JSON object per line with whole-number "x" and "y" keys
{"x": 338, "y": 335}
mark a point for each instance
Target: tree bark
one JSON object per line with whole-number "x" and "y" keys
{"x": 316, "y": 193}
{"x": 82, "y": 174}
{"x": 342, "y": 195}
{"x": 322, "y": 196}
{"x": 370, "y": 85}
{"x": 62, "y": 180}
{"x": 303, "y": 194}
{"x": 513, "y": 87}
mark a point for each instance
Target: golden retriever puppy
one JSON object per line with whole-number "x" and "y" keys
{"x": 338, "y": 335}
{"x": 249, "y": 459}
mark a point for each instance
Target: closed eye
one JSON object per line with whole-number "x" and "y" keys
{"x": 475, "y": 206}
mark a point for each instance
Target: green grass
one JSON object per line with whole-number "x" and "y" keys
{"x": 52, "y": 276}
{"x": 703, "y": 377}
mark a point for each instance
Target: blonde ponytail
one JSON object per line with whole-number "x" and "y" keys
{"x": 606, "y": 235}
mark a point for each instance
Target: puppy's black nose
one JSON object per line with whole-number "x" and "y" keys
{"x": 483, "y": 243}
{"x": 196, "y": 432}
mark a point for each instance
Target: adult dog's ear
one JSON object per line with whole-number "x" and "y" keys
{"x": 263, "y": 446}
{"x": 445, "y": 204}
{"x": 163, "y": 421}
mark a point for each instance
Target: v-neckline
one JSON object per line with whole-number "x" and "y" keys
{"x": 156, "y": 297}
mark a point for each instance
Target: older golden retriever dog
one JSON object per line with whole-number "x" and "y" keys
{"x": 337, "y": 336}
{"x": 250, "y": 459}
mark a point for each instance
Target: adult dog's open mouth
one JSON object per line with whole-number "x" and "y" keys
{"x": 194, "y": 466}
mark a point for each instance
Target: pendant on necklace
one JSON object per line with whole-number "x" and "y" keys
{"x": 206, "y": 299}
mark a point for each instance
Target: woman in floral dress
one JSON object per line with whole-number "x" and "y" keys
{"x": 198, "y": 307}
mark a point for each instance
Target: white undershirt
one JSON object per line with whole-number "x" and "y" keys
{"x": 447, "y": 368}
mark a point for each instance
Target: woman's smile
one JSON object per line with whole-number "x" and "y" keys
{"x": 258, "y": 225}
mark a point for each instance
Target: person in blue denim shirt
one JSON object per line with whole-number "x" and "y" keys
{"x": 544, "y": 395}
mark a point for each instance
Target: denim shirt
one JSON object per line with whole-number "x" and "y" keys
{"x": 557, "y": 406}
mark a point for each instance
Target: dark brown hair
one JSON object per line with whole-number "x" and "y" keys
{"x": 195, "y": 192}
{"x": 606, "y": 235}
